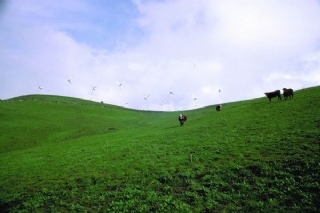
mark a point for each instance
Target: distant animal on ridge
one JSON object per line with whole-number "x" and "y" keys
{"x": 287, "y": 93}
{"x": 219, "y": 107}
{"x": 182, "y": 119}
{"x": 274, "y": 94}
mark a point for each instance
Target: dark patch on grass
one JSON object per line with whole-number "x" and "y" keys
{"x": 112, "y": 129}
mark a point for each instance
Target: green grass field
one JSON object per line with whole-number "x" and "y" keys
{"x": 61, "y": 154}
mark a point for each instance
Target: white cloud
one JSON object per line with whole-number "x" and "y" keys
{"x": 193, "y": 48}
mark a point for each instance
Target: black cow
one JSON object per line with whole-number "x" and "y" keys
{"x": 219, "y": 107}
{"x": 274, "y": 94}
{"x": 182, "y": 119}
{"x": 287, "y": 93}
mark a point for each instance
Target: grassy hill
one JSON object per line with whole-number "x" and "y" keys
{"x": 60, "y": 154}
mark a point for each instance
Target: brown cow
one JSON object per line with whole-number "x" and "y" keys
{"x": 274, "y": 94}
{"x": 287, "y": 93}
{"x": 182, "y": 119}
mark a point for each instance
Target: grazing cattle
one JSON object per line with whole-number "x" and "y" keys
{"x": 182, "y": 119}
{"x": 287, "y": 93}
{"x": 219, "y": 107}
{"x": 274, "y": 94}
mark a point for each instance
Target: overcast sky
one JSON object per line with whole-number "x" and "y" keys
{"x": 193, "y": 48}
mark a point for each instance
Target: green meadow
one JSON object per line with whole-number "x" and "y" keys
{"x": 62, "y": 154}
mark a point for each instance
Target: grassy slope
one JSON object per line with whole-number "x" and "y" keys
{"x": 252, "y": 156}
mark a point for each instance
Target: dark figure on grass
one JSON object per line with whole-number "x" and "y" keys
{"x": 182, "y": 119}
{"x": 274, "y": 94}
{"x": 219, "y": 107}
{"x": 287, "y": 93}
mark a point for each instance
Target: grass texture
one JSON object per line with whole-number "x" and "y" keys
{"x": 62, "y": 154}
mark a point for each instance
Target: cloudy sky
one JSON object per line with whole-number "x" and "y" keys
{"x": 193, "y": 48}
